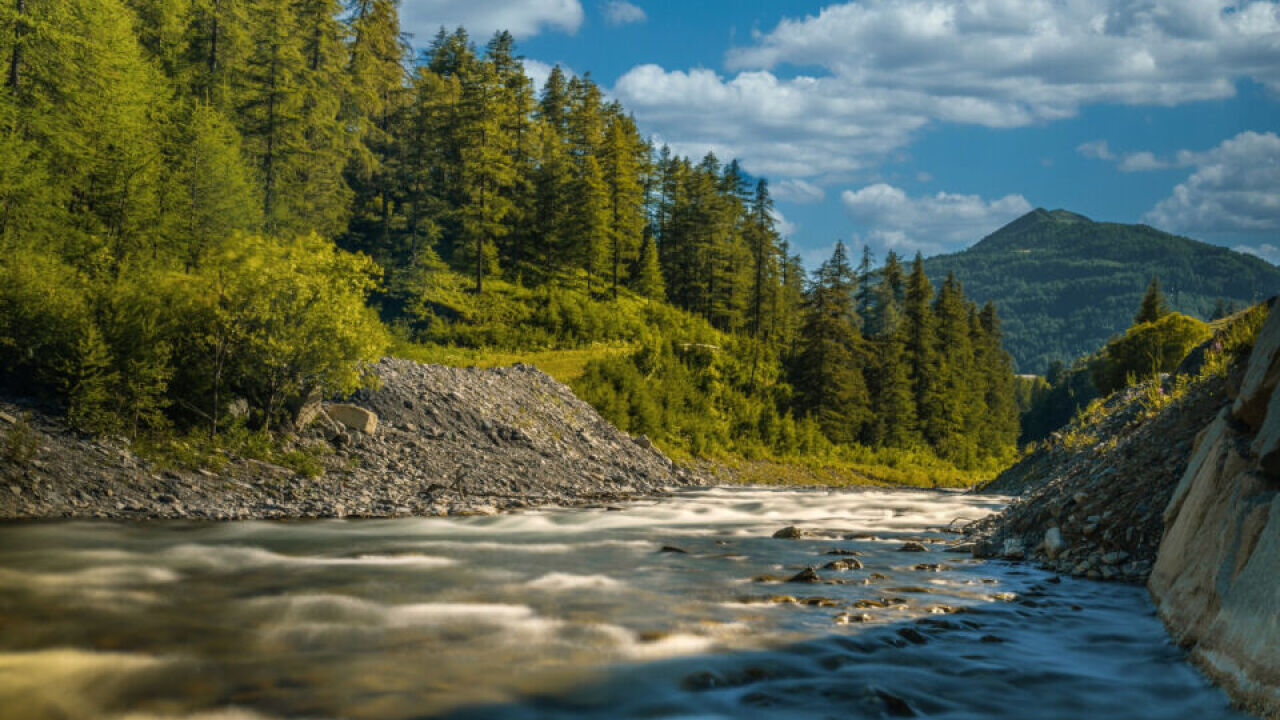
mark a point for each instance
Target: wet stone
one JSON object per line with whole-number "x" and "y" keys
{"x": 807, "y": 575}
{"x": 912, "y": 635}
{"x": 790, "y": 532}
{"x": 913, "y": 546}
{"x": 845, "y": 564}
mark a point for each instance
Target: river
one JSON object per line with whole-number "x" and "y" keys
{"x": 574, "y": 613}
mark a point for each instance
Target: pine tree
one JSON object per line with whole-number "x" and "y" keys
{"x": 215, "y": 191}
{"x": 828, "y": 369}
{"x": 1153, "y": 305}
{"x": 921, "y": 338}
{"x": 621, "y": 164}
{"x": 646, "y": 278}
{"x": 486, "y": 172}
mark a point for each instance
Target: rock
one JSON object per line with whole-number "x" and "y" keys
{"x": 894, "y": 705}
{"x": 1214, "y": 579}
{"x": 1012, "y": 550}
{"x": 845, "y": 618}
{"x": 843, "y": 564}
{"x": 353, "y": 417}
{"x": 807, "y": 575}
{"x": 1261, "y": 376}
{"x": 790, "y": 532}
{"x": 1053, "y": 543}
{"x": 673, "y": 549}
{"x": 912, "y": 546}
{"x": 913, "y": 636}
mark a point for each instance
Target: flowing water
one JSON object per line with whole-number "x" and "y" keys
{"x": 574, "y": 613}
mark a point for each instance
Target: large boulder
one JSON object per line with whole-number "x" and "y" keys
{"x": 353, "y": 417}
{"x": 1216, "y": 580}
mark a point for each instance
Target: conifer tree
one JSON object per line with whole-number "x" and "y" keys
{"x": 486, "y": 172}
{"x": 215, "y": 194}
{"x": 827, "y": 372}
{"x": 621, "y": 164}
{"x": 921, "y": 338}
{"x": 1153, "y": 305}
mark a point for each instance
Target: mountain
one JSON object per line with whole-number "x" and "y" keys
{"x": 1064, "y": 284}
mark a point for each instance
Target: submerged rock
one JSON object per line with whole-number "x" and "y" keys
{"x": 807, "y": 575}
{"x": 790, "y": 532}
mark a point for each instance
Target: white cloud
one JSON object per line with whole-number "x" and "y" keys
{"x": 481, "y": 18}
{"x": 800, "y": 127}
{"x": 1266, "y": 251}
{"x": 621, "y": 12}
{"x": 539, "y": 71}
{"x": 932, "y": 223}
{"x": 1097, "y": 149}
{"x": 1144, "y": 161}
{"x": 798, "y": 191}
{"x": 1235, "y": 189}
{"x": 876, "y": 71}
{"x": 785, "y": 227}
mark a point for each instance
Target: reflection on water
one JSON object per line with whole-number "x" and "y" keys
{"x": 573, "y": 613}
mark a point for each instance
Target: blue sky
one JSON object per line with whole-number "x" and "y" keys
{"x": 926, "y": 124}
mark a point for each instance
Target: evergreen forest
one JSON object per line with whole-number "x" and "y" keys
{"x": 211, "y": 210}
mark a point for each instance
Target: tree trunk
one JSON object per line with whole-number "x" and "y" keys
{"x": 15, "y": 60}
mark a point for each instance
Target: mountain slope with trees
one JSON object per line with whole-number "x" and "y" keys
{"x": 211, "y": 211}
{"x": 1065, "y": 284}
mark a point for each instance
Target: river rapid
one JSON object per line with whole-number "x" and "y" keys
{"x": 575, "y": 613}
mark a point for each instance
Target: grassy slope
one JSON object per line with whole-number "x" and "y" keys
{"x": 498, "y": 330}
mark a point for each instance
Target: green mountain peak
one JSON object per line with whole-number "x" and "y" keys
{"x": 1064, "y": 283}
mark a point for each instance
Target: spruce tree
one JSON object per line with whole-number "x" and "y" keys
{"x": 828, "y": 369}
{"x": 1153, "y": 305}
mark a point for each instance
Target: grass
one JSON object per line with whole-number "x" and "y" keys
{"x": 885, "y": 469}
{"x": 563, "y": 365}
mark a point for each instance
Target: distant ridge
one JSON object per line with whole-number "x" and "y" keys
{"x": 1064, "y": 284}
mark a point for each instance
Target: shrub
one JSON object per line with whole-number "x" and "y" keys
{"x": 1147, "y": 349}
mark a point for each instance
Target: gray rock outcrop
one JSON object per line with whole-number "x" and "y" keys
{"x": 1216, "y": 579}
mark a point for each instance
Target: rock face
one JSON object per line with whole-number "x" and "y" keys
{"x": 431, "y": 440}
{"x": 1217, "y": 577}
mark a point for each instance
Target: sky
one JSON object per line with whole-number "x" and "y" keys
{"x": 924, "y": 125}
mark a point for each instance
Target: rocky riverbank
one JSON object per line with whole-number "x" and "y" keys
{"x": 1090, "y": 501}
{"x": 1184, "y": 497}
{"x": 431, "y": 440}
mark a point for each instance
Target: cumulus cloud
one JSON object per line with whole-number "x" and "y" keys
{"x": 798, "y": 127}
{"x": 1141, "y": 161}
{"x": 798, "y": 191}
{"x": 523, "y": 18}
{"x": 875, "y": 71}
{"x": 931, "y": 224}
{"x": 785, "y": 227}
{"x": 621, "y": 12}
{"x": 1266, "y": 251}
{"x": 1098, "y": 149}
{"x": 1235, "y": 189}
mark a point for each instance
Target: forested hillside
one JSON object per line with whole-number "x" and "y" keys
{"x": 210, "y": 211}
{"x": 1065, "y": 284}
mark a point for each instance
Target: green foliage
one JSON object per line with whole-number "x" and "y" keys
{"x": 21, "y": 443}
{"x": 1147, "y": 349}
{"x": 1065, "y": 284}
{"x": 176, "y": 180}
{"x": 1153, "y": 305}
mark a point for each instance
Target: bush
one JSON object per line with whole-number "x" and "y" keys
{"x": 1147, "y": 349}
